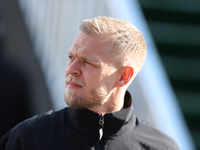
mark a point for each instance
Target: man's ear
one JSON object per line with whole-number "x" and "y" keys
{"x": 126, "y": 75}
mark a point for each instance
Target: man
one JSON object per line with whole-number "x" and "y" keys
{"x": 103, "y": 60}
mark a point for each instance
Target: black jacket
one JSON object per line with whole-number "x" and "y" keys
{"x": 72, "y": 129}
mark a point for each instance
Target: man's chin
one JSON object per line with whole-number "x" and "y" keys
{"x": 75, "y": 105}
{"x": 78, "y": 103}
{"x": 74, "y": 100}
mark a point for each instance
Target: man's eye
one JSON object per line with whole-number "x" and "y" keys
{"x": 70, "y": 57}
{"x": 88, "y": 63}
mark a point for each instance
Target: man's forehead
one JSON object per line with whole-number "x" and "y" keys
{"x": 94, "y": 46}
{"x": 91, "y": 39}
{"x": 88, "y": 48}
{"x": 77, "y": 50}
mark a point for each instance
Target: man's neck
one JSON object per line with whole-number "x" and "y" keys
{"x": 115, "y": 103}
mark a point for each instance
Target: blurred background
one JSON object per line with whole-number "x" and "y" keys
{"x": 35, "y": 36}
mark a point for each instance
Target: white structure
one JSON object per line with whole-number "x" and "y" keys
{"x": 53, "y": 25}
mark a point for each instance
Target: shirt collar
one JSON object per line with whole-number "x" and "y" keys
{"x": 86, "y": 122}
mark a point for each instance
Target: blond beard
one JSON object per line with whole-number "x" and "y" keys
{"x": 77, "y": 100}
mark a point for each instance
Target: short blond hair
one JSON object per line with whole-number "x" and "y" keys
{"x": 127, "y": 40}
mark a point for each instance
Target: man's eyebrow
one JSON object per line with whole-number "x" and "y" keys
{"x": 85, "y": 57}
{"x": 70, "y": 54}
{"x": 91, "y": 60}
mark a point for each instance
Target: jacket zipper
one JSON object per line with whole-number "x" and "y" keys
{"x": 101, "y": 125}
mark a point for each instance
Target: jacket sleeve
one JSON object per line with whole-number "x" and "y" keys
{"x": 10, "y": 141}
{"x": 4, "y": 141}
{"x": 18, "y": 137}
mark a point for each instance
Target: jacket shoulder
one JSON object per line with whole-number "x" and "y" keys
{"x": 153, "y": 138}
{"x": 41, "y": 121}
{"x": 33, "y": 129}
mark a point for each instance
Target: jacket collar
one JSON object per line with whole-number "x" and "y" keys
{"x": 86, "y": 122}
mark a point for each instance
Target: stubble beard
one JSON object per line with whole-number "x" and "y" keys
{"x": 80, "y": 100}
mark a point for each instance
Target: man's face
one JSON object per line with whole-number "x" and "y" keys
{"x": 90, "y": 73}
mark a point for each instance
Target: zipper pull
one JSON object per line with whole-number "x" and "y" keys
{"x": 101, "y": 124}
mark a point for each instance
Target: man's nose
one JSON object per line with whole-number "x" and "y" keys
{"x": 73, "y": 68}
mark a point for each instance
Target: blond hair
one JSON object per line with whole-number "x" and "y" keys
{"x": 128, "y": 44}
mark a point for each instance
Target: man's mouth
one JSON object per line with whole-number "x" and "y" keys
{"x": 73, "y": 85}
